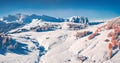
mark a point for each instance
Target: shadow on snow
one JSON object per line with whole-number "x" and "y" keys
{"x": 19, "y": 49}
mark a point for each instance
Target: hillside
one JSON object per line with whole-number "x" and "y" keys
{"x": 65, "y": 42}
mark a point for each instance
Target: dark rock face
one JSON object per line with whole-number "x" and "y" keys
{"x": 51, "y": 19}
{"x": 29, "y": 19}
{"x": 5, "y": 27}
{"x": 10, "y": 18}
{"x": 78, "y": 19}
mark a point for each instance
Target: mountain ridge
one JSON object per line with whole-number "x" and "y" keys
{"x": 28, "y": 18}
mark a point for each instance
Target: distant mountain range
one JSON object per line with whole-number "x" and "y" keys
{"x": 28, "y": 18}
{"x": 10, "y": 22}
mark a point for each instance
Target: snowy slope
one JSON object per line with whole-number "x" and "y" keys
{"x": 61, "y": 46}
{"x": 70, "y": 49}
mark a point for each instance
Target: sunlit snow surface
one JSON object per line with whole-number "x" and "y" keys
{"x": 60, "y": 46}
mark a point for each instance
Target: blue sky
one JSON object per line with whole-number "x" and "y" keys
{"x": 93, "y": 9}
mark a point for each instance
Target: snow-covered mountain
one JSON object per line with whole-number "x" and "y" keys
{"x": 19, "y": 20}
{"x": 78, "y": 19}
{"x": 28, "y": 18}
{"x": 73, "y": 41}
